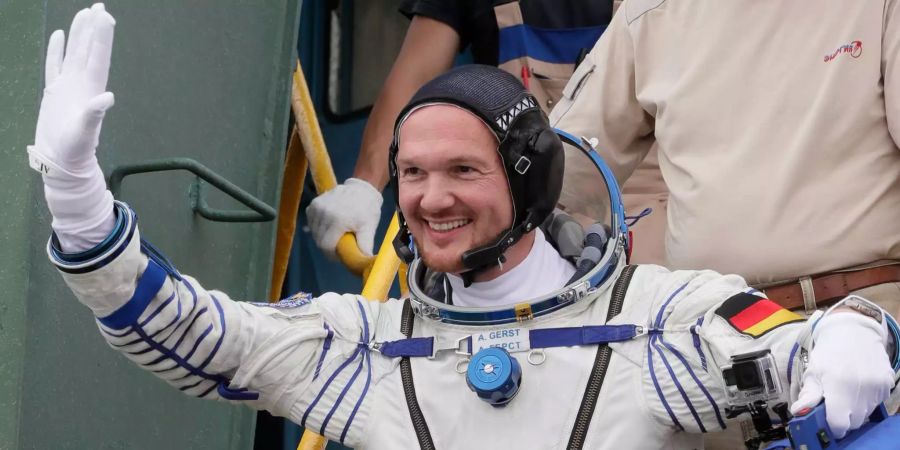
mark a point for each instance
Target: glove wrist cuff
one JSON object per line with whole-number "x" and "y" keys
{"x": 366, "y": 186}
{"x": 51, "y": 170}
{"x": 857, "y": 309}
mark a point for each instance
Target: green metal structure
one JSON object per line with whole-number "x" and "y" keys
{"x": 203, "y": 81}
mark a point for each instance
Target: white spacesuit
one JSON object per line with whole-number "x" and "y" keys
{"x": 315, "y": 360}
{"x": 620, "y": 357}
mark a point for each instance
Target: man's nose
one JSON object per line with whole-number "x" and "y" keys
{"x": 437, "y": 196}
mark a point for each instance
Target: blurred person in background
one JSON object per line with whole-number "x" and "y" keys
{"x": 538, "y": 41}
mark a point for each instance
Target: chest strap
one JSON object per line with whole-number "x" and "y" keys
{"x": 509, "y": 339}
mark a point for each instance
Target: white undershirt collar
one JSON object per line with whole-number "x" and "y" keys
{"x": 541, "y": 272}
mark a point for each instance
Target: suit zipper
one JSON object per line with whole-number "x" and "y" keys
{"x": 601, "y": 363}
{"x": 409, "y": 389}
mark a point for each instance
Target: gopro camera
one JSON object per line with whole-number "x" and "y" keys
{"x": 751, "y": 378}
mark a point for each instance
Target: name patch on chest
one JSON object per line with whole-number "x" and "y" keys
{"x": 510, "y": 339}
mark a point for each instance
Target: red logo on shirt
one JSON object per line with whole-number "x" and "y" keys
{"x": 854, "y": 49}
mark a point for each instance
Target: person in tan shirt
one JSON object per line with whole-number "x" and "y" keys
{"x": 777, "y": 138}
{"x": 777, "y": 127}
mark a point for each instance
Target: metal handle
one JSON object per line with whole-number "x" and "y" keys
{"x": 262, "y": 212}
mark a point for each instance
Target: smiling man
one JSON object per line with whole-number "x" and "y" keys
{"x": 507, "y": 340}
{"x": 455, "y": 197}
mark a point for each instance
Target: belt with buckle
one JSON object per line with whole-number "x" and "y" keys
{"x": 812, "y": 292}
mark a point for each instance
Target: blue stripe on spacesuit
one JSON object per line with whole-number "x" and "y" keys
{"x": 326, "y": 345}
{"x": 650, "y": 347}
{"x": 790, "y": 367}
{"x": 117, "y": 335}
{"x": 156, "y": 361}
{"x": 221, "y": 323}
{"x": 219, "y": 382}
{"x": 174, "y": 366}
{"x": 127, "y": 317}
{"x": 696, "y": 380}
{"x": 150, "y": 283}
{"x": 659, "y": 315}
{"x": 153, "y": 336}
{"x": 191, "y": 386}
{"x": 208, "y": 390}
{"x": 181, "y": 339}
{"x": 170, "y": 355}
{"x": 681, "y": 391}
{"x": 155, "y": 255}
{"x": 187, "y": 329}
{"x": 334, "y": 375}
{"x": 343, "y": 393}
{"x": 696, "y": 337}
{"x": 368, "y": 357}
{"x": 688, "y": 366}
{"x": 660, "y": 324}
{"x": 157, "y": 310}
{"x": 234, "y": 394}
{"x": 135, "y": 341}
{"x": 361, "y": 347}
{"x": 363, "y": 361}
{"x": 659, "y": 393}
{"x": 177, "y": 319}
{"x": 197, "y": 342}
{"x": 140, "y": 352}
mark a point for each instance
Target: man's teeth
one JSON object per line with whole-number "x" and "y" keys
{"x": 447, "y": 226}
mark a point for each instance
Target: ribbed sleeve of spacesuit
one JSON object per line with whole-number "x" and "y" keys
{"x": 282, "y": 357}
{"x": 339, "y": 400}
{"x": 693, "y": 339}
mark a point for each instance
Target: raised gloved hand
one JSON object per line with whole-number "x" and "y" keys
{"x": 354, "y": 206}
{"x": 849, "y": 367}
{"x": 68, "y": 129}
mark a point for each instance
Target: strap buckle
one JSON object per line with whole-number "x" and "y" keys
{"x": 809, "y": 295}
{"x": 459, "y": 350}
{"x": 461, "y": 346}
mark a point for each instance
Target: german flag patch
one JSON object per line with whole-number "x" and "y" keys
{"x": 754, "y": 315}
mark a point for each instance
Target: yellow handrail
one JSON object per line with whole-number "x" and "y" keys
{"x": 291, "y": 189}
{"x": 320, "y": 167}
{"x": 376, "y": 289}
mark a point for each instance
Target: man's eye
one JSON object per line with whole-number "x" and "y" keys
{"x": 464, "y": 169}
{"x": 411, "y": 171}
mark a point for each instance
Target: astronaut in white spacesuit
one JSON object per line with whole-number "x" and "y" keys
{"x": 513, "y": 336}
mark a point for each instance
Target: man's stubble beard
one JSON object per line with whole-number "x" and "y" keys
{"x": 456, "y": 265}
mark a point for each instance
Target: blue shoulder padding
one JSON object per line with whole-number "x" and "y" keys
{"x": 150, "y": 283}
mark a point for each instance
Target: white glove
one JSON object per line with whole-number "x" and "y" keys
{"x": 354, "y": 206}
{"x": 68, "y": 129}
{"x": 849, "y": 367}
